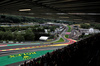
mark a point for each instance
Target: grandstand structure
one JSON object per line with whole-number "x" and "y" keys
{"x": 70, "y": 10}
{"x": 83, "y": 53}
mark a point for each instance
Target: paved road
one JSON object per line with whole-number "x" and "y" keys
{"x": 30, "y": 44}
{"x": 8, "y": 50}
{"x": 74, "y": 34}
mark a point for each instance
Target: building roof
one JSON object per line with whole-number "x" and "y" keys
{"x": 43, "y": 38}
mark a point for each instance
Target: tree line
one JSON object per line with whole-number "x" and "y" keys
{"x": 21, "y": 19}
{"x": 17, "y": 36}
{"x": 93, "y": 25}
{"x": 27, "y": 33}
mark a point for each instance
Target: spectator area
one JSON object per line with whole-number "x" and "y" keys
{"x": 83, "y": 53}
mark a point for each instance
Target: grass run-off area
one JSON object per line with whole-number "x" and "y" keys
{"x": 9, "y": 59}
{"x": 60, "y": 40}
{"x": 69, "y": 29}
{"x": 66, "y": 36}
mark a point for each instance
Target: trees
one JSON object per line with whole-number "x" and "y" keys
{"x": 6, "y": 35}
{"x": 86, "y": 26}
{"x": 29, "y": 35}
{"x": 19, "y": 19}
{"x": 94, "y": 25}
{"x": 1, "y": 35}
{"x": 20, "y": 37}
{"x": 9, "y": 35}
{"x": 26, "y": 33}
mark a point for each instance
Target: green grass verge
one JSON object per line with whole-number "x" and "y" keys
{"x": 60, "y": 40}
{"x": 66, "y": 36}
{"x": 5, "y": 60}
{"x": 69, "y": 29}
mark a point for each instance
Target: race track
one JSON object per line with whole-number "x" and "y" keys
{"x": 12, "y": 49}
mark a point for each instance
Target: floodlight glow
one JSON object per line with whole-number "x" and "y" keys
{"x": 25, "y": 10}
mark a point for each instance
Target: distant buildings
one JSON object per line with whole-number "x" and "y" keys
{"x": 44, "y": 38}
{"x": 89, "y": 31}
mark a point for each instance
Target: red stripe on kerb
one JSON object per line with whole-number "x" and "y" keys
{"x": 7, "y": 49}
{"x": 30, "y": 47}
{"x": 20, "y": 48}
{"x": 25, "y": 47}
{"x": 14, "y": 49}
{"x": 3, "y": 45}
{"x": 0, "y": 50}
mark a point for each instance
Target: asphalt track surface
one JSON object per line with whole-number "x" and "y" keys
{"x": 8, "y": 50}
